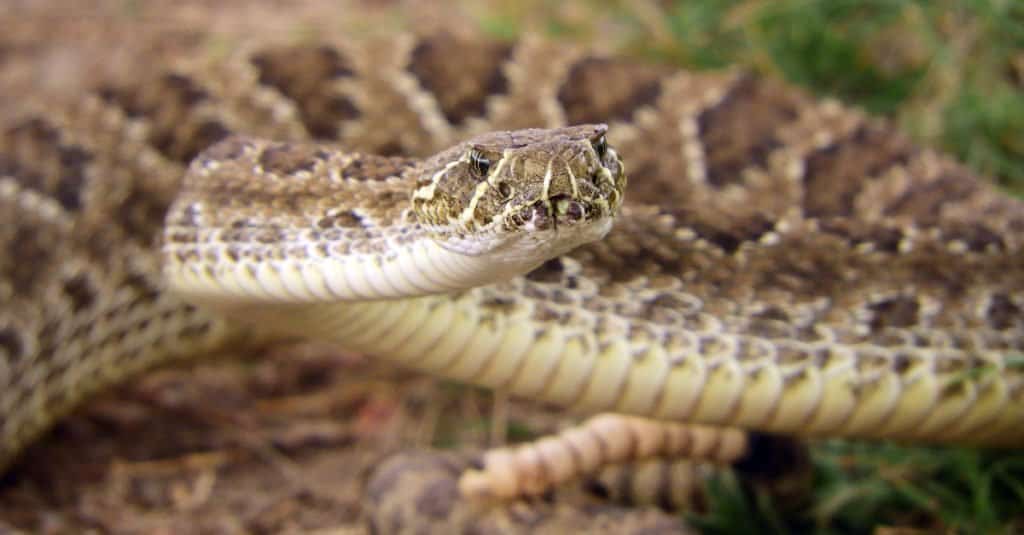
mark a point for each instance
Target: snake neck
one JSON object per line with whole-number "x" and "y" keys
{"x": 416, "y": 267}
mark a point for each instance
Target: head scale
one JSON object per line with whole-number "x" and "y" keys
{"x": 524, "y": 192}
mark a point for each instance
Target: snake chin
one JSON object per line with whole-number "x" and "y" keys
{"x": 537, "y": 245}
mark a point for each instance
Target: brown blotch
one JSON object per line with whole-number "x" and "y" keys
{"x": 462, "y": 86}
{"x": 30, "y": 246}
{"x": 924, "y": 202}
{"x": 390, "y": 148}
{"x": 63, "y": 166}
{"x": 345, "y": 219}
{"x": 551, "y": 271}
{"x": 739, "y": 231}
{"x": 287, "y": 158}
{"x": 174, "y": 89}
{"x": 597, "y": 488}
{"x": 204, "y": 135}
{"x": 1002, "y": 313}
{"x": 71, "y": 182}
{"x": 37, "y": 131}
{"x": 187, "y": 91}
{"x": 307, "y": 75}
{"x": 816, "y": 271}
{"x": 11, "y": 344}
{"x": 740, "y": 131}
{"x": 170, "y": 102}
{"x": 117, "y": 97}
{"x": 79, "y": 289}
{"x": 11, "y": 168}
{"x": 141, "y": 213}
{"x": 604, "y": 89}
{"x": 896, "y": 312}
{"x": 144, "y": 289}
{"x": 835, "y": 174}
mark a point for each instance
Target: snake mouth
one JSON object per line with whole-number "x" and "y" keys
{"x": 558, "y": 210}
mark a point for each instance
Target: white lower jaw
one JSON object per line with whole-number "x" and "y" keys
{"x": 417, "y": 268}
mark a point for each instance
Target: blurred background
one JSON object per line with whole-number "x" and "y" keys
{"x": 951, "y": 73}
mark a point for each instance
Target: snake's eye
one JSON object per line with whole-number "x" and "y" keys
{"x": 600, "y": 146}
{"x": 479, "y": 164}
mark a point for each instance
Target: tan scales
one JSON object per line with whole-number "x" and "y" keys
{"x": 780, "y": 263}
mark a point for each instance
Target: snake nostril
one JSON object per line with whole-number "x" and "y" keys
{"x": 567, "y": 208}
{"x": 575, "y": 211}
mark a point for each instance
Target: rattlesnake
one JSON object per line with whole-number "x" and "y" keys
{"x": 779, "y": 264}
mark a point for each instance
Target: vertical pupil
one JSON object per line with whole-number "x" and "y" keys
{"x": 600, "y": 146}
{"x": 480, "y": 163}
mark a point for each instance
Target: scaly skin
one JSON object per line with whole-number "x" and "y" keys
{"x": 780, "y": 264}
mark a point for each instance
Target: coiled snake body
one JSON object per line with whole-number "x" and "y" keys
{"x": 778, "y": 263}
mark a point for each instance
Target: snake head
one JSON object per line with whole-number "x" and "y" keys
{"x": 525, "y": 193}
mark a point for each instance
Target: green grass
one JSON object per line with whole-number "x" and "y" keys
{"x": 860, "y": 487}
{"x": 951, "y": 74}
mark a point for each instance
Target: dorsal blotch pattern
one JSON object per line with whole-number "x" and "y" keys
{"x": 181, "y": 113}
{"x": 309, "y": 77}
{"x": 461, "y": 76}
{"x": 598, "y": 89}
{"x": 761, "y": 226}
{"x": 64, "y": 180}
{"x": 739, "y": 131}
{"x": 836, "y": 173}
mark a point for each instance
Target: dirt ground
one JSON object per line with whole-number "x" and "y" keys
{"x": 271, "y": 443}
{"x": 262, "y": 445}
